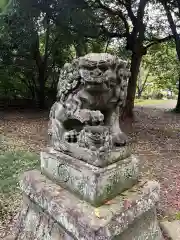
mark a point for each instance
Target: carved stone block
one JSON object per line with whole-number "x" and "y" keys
{"x": 51, "y": 212}
{"x": 96, "y": 158}
{"x": 91, "y": 183}
{"x": 85, "y": 118}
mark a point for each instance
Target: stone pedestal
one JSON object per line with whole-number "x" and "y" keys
{"x": 91, "y": 183}
{"x": 54, "y": 212}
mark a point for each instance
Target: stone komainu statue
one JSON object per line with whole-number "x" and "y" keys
{"x": 85, "y": 118}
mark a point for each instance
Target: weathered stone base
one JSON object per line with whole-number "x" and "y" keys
{"x": 91, "y": 183}
{"x": 130, "y": 216}
{"x": 171, "y": 229}
{"x": 37, "y": 224}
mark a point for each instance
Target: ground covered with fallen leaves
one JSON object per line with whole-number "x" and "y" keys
{"x": 156, "y": 141}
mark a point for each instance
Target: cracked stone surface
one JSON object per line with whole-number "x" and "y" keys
{"x": 171, "y": 229}
{"x": 91, "y": 183}
{"x": 130, "y": 215}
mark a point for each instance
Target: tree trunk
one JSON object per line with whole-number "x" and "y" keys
{"x": 139, "y": 93}
{"x": 177, "y": 42}
{"x": 79, "y": 48}
{"x": 178, "y": 100}
{"x": 41, "y": 91}
{"x": 131, "y": 91}
{"x": 173, "y": 27}
{"x": 135, "y": 44}
{"x": 41, "y": 98}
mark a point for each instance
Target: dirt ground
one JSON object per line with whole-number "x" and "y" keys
{"x": 156, "y": 141}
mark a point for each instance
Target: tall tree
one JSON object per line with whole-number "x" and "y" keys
{"x": 37, "y": 45}
{"x": 162, "y": 64}
{"x": 32, "y": 52}
{"x": 142, "y": 81}
{"x": 129, "y": 20}
{"x": 173, "y": 8}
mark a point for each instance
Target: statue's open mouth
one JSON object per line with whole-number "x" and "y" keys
{"x": 96, "y": 79}
{"x": 90, "y": 95}
{"x": 97, "y": 86}
{"x": 96, "y": 129}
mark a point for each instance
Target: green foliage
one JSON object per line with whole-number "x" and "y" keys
{"x": 4, "y": 6}
{"x": 163, "y": 66}
{"x": 177, "y": 217}
{"x": 37, "y": 37}
{"x": 36, "y": 40}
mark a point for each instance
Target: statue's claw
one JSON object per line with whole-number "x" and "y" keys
{"x": 71, "y": 136}
{"x": 120, "y": 139}
{"x": 96, "y": 117}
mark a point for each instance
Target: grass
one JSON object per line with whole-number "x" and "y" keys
{"x": 13, "y": 163}
{"x": 149, "y": 101}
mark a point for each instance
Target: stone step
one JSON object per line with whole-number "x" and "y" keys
{"x": 172, "y": 229}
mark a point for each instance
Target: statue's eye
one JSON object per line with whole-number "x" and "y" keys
{"x": 103, "y": 67}
{"x": 89, "y": 67}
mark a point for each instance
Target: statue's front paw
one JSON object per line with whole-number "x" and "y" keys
{"x": 120, "y": 139}
{"x": 71, "y": 136}
{"x": 97, "y": 117}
